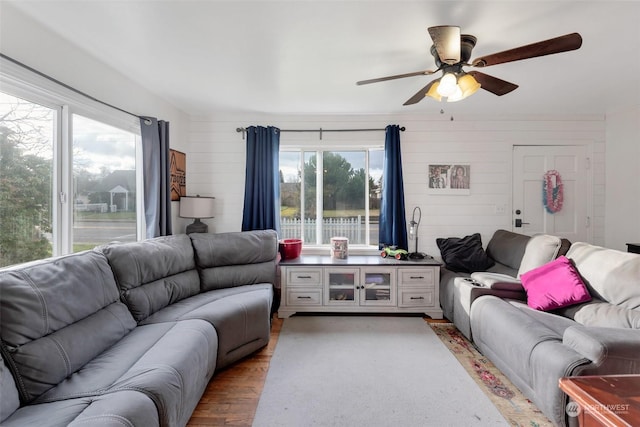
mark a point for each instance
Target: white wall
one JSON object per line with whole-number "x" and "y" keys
{"x": 215, "y": 163}
{"x": 622, "y": 211}
{"x": 26, "y": 41}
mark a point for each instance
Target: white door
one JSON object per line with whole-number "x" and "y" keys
{"x": 530, "y": 163}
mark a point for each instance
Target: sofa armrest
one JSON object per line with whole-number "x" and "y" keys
{"x": 498, "y": 281}
{"x": 612, "y": 350}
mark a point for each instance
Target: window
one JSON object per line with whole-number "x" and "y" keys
{"x": 69, "y": 171}
{"x": 329, "y": 193}
{"x": 104, "y": 184}
{"x": 27, "y": 141}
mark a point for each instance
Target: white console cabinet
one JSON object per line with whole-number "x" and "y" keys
{"x": 359, "y": 284}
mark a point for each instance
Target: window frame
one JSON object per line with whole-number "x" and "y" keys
{"x": 32, "y": 87}
{"x": 318, "y": 147}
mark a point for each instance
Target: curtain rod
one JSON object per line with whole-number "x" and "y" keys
{"x": 321, "y": 131}
{"x": 71, "y": 88}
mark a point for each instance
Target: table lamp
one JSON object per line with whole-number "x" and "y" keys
{"x": 196, "y": 207}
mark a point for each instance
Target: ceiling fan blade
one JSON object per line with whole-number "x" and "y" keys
{"x": 560, "y": 44}
{"x": 419, "y": 96}
{"x": 493, "y": 84}
{"x": 446, "y": 39}
{"x": 397, "y": 76}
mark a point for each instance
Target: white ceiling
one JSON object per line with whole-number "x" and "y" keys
{"x": 301, "y": 56}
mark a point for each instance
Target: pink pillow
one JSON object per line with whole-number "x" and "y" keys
{"x": 554, "y": 285}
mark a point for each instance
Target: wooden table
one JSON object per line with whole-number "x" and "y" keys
{"x": 610, "y": 400}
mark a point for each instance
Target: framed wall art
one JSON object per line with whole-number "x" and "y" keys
{"x": 178, "y": 174}
{"x": 449, "y": 179}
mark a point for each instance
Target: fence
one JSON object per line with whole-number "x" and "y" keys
{"x": 352, "y": 228}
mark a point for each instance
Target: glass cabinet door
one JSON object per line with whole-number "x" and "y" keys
{"x": 342, "y": 284}
{"x": 378, "y": 287}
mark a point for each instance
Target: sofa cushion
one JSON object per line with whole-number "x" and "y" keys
{"x": 170, "y": 362}
{"x": 554, "y": 285}
{"x": 610, "y": 275}
{"x": 9, "y": 397}
{"x": 125, "y": 408}
{"x": 540, "y": 249}
{"x": 70, "y": 321}
{"x": 153, "y": 273}
{"x": 604, "y": 314}
{"x": 507, "y": 249}
{"x": 240, "y": 315}
{"x": 464, "y": 254}
{"x": 236, "y": 258}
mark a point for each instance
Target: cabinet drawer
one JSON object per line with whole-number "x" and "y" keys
{"x": 417, "y": 298}
{"x": 304, "y": 297}
{"x": 416, "y": 277}
{"x": 306, "y": 276}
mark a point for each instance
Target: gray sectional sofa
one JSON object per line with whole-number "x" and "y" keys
{"x": 535, "y": 348}
{"x": 130, "y": 334}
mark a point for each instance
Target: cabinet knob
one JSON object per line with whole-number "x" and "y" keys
{"x": 417, "y": 297}
{"x": 417, "y": 277}
{"x": 303, "y": 277}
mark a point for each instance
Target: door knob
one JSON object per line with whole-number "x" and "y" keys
{"x": 519, "y": 222}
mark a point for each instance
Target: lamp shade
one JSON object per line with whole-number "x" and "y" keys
{"x": 467, "y": 86}
{"x": 196, "y": 207}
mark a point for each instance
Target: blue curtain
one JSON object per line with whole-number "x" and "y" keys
{"x": 262, "y": 180}
{"x": 393, "y": 223}
{"x": 157, "y": 187}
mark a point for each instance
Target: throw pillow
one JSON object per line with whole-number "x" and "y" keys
{"x": 464, "y": 254}
{"x": 540, "y": 249}
{"x": 554, "y": 285}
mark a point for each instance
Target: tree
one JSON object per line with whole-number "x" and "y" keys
{"x": 342, "y": 186}
{"x": 25, "y": 202}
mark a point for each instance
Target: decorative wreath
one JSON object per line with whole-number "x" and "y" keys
{"x": 552, "y": 191}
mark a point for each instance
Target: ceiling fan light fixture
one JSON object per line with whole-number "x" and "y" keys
{"x": 468, "y": 85}
{"x": 456, "y": 96}
{"x": 433, "y": 91}
{"x": 447, "y": 86}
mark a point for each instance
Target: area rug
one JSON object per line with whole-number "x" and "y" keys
{"x": 368, "y": 371}
{"x": 514, "y": 406}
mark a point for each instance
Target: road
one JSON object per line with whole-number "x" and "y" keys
{"x": 98, "y": 232}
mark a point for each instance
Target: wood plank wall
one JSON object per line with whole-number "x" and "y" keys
{"x": 216, "y": 152}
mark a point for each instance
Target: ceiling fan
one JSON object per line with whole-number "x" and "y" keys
{"x": 452, "y": 51}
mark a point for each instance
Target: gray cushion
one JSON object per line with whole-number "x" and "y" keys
{"x": 153, "y": 273}
{"x": 507, "y": 248}
{"x": 239, "y": 314}
{"x": 604, "y": 314}
{"x": 115, "y": 409}
{"x": 236, "y": 258}
{"x": 70, "y": 321}
{"x": 170, "y": 362}
{"x": 9, "y": 398}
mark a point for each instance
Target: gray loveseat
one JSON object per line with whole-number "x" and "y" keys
{"x": 533, "y": 348}
{"x": 130, "y": 334}
{"x": 511, "y": 254}
{"x": 600, "y": 337}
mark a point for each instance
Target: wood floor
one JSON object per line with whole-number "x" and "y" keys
{"x": 232, "y": 396}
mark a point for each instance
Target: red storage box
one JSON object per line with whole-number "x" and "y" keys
{"x": 290, "y": 248}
